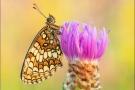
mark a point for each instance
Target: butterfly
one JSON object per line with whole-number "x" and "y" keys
{"x": 43, "y": 58}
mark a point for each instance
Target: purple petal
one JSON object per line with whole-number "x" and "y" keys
{"x": 87, "y": 44}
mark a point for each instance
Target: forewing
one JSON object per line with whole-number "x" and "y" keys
{"x": 43, "y": 57}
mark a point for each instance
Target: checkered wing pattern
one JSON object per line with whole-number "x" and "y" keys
{"x": 43, "y": 57}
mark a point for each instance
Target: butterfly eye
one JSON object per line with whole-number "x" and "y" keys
{"x": 49, "y": 20}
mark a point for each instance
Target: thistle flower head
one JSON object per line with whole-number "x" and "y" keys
{"x": 83, "y": 48}
{"x": 86, "y": 44}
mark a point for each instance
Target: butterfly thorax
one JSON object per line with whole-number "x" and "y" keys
{"x": 50, "y": 22}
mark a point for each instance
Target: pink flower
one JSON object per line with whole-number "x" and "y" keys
{"x": 85, "y": 44}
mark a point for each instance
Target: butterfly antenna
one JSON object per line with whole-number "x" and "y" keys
{"x": 36, "y": 7}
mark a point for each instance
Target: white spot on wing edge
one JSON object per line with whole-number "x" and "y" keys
{"x": 47, "y": 74}
{"x": 41, "y": 71}
{"x": 35, "y": 69}
{"x": 28, "y": 60}
{"x": 52, "y": 71}
{"x": 36, "y": 44}
{"x": 52, "y": 67}
{"x": 32, "y": 49}
{"x": 46, "y": 68}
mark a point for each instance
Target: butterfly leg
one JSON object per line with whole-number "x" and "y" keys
{"x": 57, "y": 33}
{"x": 56, "y": 25}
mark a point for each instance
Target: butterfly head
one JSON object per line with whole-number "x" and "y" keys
{"x": 51, "y": 19}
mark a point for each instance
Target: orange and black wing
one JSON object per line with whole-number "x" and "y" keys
{"x": 43, "y": 57}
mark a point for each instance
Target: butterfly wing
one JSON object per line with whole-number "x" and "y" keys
{"x": 43, "y": 57}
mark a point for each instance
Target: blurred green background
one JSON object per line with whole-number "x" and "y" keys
{"x": 20, "y": 23}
